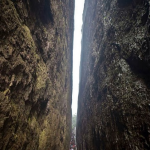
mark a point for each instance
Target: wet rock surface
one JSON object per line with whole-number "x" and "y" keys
{"x": 35, "y": 74}
{"x": 114, "y": 95}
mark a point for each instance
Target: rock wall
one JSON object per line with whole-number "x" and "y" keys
{"x": 114, "y": 95}
{"x": 36, "y": 39}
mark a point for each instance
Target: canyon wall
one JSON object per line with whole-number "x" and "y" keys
{"x": 114, "y": 94}
{"x": 36, "y": 40}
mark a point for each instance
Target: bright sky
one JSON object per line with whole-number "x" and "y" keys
{"x": 79, "y": 4}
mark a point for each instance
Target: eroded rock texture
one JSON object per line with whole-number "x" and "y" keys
{"x": 35, "y": 74}
{"x": 114, "y": 96}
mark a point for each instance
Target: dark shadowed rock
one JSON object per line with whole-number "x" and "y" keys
{"x": 114, "y": 95}
{"x": 35, "y": 74}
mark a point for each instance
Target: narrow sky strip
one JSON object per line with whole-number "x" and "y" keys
{"x": 79, "y": 5}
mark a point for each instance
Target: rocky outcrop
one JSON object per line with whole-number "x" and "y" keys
{"x": 35, "y": 74}
{"x": 114, "y": 95}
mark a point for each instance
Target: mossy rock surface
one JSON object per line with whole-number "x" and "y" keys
{"x": 36, "y": 40}
{"x": 114, "y": 95}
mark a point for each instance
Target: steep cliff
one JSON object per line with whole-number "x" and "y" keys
{"x": 114, "y": 95}
{"x": 35, "y": 74}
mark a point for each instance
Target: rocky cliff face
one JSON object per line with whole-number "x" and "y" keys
{"x": 114, "y": 96}
{"x": 35, "y": 74}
